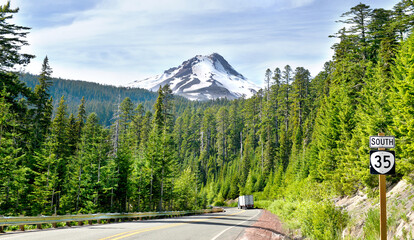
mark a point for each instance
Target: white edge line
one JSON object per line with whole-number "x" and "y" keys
{"x": 218, "y": 235}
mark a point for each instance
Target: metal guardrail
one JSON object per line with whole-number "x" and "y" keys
{"x": 81, "y": 218}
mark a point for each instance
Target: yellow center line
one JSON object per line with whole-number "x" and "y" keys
{"x": 133, "y": 232}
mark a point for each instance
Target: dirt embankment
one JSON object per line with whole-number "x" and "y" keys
{"x": 267, "y": 227}
{"x": 400, "y": 211}
{"x": 400, "y": 215}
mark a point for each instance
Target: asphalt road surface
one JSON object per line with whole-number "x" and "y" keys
{"x": 215, "y": 226}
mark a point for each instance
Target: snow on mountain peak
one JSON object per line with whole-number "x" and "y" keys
{"x": 202, "y": 78}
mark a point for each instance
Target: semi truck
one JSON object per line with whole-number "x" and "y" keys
{"x": 245, "y": 202}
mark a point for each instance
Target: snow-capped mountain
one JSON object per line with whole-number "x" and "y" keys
{"x": 202, "y": 78}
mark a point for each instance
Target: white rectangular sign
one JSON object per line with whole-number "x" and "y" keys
{"x": 382, "y": 142}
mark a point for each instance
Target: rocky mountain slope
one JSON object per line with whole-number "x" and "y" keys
{"x": 202, "y": 78}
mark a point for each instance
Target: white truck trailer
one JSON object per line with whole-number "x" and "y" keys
{"x": 245, "y": 202}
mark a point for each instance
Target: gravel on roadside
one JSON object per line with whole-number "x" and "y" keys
{"x": 267, "y": 227}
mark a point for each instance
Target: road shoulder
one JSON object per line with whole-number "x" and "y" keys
{"x": 268, "y": 227}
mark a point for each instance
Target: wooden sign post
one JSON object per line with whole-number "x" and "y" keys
{"x": 383, "y": 202}
{"x": 382, "y": 163}
{"x": 383, "y": 207}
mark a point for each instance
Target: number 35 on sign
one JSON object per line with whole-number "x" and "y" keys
{"x": 382, "y": 162}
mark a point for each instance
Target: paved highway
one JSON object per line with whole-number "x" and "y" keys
{"x": 215, "y": 226}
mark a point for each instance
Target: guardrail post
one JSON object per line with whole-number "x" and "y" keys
{"x": 54, "y": 225}
{"x": 21, "y": 226}
{"x": 68, "y": 223}
{"x": 1, "y": 229}
{"x": 39, "y": 226}
{"x": 90, "y": 222}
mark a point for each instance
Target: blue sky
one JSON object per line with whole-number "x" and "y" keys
{"x": 118, "y": 41}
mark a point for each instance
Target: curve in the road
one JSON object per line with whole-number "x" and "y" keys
{"x": 134, "y": 232}
{"x": 225, "y": 230}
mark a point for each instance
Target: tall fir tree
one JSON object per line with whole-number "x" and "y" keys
{"x": 402, "y": 101}
{"x": 43, "y": 105}
{"x": 12, "y": 39}
{"x": 59, "y": 136}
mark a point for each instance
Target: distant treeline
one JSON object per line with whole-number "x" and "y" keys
{"x": 101, "y": 99}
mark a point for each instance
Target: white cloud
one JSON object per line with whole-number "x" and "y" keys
{"x": 128, "y": 40}
{"x": 197, "y": 6}
{"x": 300, "y": 3}
{"x": 135, "y": 39}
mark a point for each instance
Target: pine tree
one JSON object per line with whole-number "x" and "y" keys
{"x": 45, "y": 181}
{"x": 207, "y": 148}
{"x": 61, "y": 151}
{"x": 402, "y": 102}
{"x": 268, "y": 77}
{"x": 81, "y": 117}
{"x": 160, "y": 151}
{"x": 284, "y": 100}
{"x": 299, "y": 113}
{"x": 137, "y": 125}
{"x": 43, "y": 105}
{"x": 380, "y": 31}
{"x": 126, "y": 116}
{"x": 324, "y": 139}
{"x": 185, "y": 190}
{"x": 13, "y": 180}
{"x": 87, "y": 167}
{"x": 72, "y": 133}
{"x": 359, "y": 18}
{"x": 372, "y": 116}
{"x": 403, "y": 19}
{"x": 12, "y": 39}
{"x": 222, "y": 135}
{"x": 235, "y": 127}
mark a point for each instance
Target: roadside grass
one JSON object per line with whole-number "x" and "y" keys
{"x": 316, "y": 220}
{"x": 372, "y": 224}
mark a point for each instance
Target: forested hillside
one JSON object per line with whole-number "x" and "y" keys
{"x": 104, "y": 99}
{"x": 299, "y": 142}
{"x": 101, "y": 99}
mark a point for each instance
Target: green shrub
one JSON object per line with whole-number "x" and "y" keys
{"x": 11, "y": 228}
{"x": 264, "y": 204}
{"x": 219, "y": 203}
{"x": 258, "y": 196}
{"x": 317, "y": 220}
{"x": 324, "y": 221}
{"x": 290, "y": 212}
{"x": 233, "y": 204}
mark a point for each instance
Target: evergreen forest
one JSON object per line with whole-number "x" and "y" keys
{"x": 295, "y": 145}
{"x": 101, "y": 99}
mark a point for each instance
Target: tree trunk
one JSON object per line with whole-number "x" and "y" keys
{"x": 152, "y": 178}
{"x": 241, "y": 149}
{"x": 139, "y": 194}
{"x": 261, "y": 140}
{"x": 79, "y": 186}
{"x": 162, "y": 190}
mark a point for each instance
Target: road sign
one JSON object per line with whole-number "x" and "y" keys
{"x": 382, "y": 162}
{"x": 382, "y": 142}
